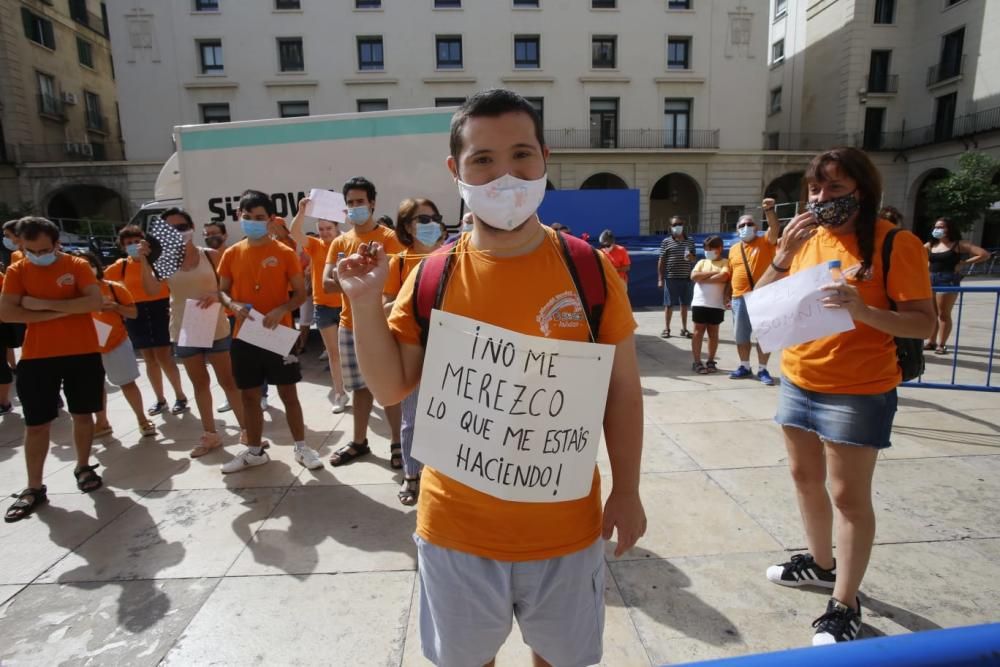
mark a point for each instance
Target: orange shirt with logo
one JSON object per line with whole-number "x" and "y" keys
{"x": 348, "y": 244}
{"x": 619, "y": 259}
{"x": 129, "y": 272}
{"x": 400, "y": 267}
{"x": 531, "y": 294}
{"x": 863, "y": 360}
{"x": 118, "y": 333}
{"x": 64, "y": 279}
{"x": 260, "y": 274}
{"x": 760, "y": 254}
{"x": 318, "y": 251}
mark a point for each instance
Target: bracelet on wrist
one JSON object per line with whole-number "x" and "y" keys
{"x": 780, "y": 269}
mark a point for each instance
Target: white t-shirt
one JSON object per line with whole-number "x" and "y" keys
{"x": 710, "y": 295}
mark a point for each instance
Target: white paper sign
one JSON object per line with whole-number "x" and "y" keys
{"x": 278, "y": 340}
{"x": 103, "y": 331}
{"x": 790, "y": 311}
{"x": 517, "y": 417}
{"x": 198, "y": 325}
{"x": 327, "y": 205}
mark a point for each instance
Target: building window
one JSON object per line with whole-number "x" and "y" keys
{"x": 679, "y": 53}
{"x": 447, "y": 4}
{"x": 951, "y": 54}
{"x": 604, "y": 122}
{"x": 780, "y": 8}
{"x": 373, "y": 105}
{"x": 206, "y": 6}
{"x": 215, "y": 113}
{"x": 93, "y": 109}
{"x": 449, "y": 101}
{"x": 38, "y": 29}
{"x": 78, "y": 11}
{"x": 527, "y": 52}
{"x": 885, "y": 11}
{"x": 944, "y": 117}
{"x": 290, "y": 57}
{"x": 874, "y": 121}
{"x": 603, "y": 54}
{"x": 774, "y": 105}
{"x": 778, "y": 51}
{"x": 449, "y": 52}
{"x": 678, "y": 4}
{"x": 730, "y": 215}
{"x": 48, "y": 102}
{"x": 210, "y": 53}
{"x": 878, "y": 72}
{"x": 85, "y": 52}
{"x": 525, "y": 3}
{"x": 676, "y": 123}
{"x": 286, "y": 5}
{"x": 370, "y": 54}
{"x": 539, "y": 104}
{"x": 367, "y": 4}
{"x": 603, "y": 4}
{"x": 293, "y": 109}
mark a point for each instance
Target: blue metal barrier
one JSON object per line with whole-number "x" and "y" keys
{"x": 978, "y": 646}
{"x": 957, "y": 329}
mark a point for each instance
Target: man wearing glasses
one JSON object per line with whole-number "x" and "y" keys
{"x": 748, "y": 260}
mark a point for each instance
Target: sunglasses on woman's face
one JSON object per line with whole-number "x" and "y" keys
{"x": 185, "y": 227}
{"x": 424, "y": 219}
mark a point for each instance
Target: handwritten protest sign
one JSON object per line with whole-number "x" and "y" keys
{"x": 518, "y": 417}
{"x": 327, "y": 205}
{"x": 791, "y": 311}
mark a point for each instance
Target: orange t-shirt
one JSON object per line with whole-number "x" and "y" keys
{"x": 65, "y": 279}
{"x": 348, "y": 244}
{"x": 760, "y": 254}
{"x": 400, "y": 267}
{"x": 619, "y": 259}
{"x": 530, "y": 294}
{"x": 129, "y": 272}
{"x": 863, "y": 360}
{"x": 16, "y": 256}
{"x": 111, "y": 318}
{"x": 261, "y": 275}
{"x": 317, "y": 250}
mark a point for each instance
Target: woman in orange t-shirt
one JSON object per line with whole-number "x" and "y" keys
{"x": 838, "y": 393}
{"x": 617, "y": 254}
{"x": 420, "y": 229}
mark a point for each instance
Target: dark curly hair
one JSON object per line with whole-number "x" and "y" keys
{"x": 954, "y": 233}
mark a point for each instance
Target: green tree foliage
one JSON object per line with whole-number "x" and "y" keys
{"x": 965, "y": 194}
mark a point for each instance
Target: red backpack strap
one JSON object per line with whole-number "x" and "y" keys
{"x": 588, "y": 277}
{"x": 428, "y": 290}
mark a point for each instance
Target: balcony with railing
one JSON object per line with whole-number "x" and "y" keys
{"x": 97, "y": 123}
{"x": 987, "y": 120}
{"x": 52, "y": 107}
{"x": 802, "y": 141}
{"x": 80, "y": 14}
{"x": 945, "y": 70}
{"x": 633, "y": 139}
{"x": 883, "y": 85}
{"x": 70, "y": 151}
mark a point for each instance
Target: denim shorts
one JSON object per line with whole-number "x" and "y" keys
{"x": 741, "y": 321}
{"x": 946, "y": 279}
{"x": 678, "y": 292}
{"x": 467, "y": 605}
{"x": 847, "y": 419}
{"x": 221, "y": 345}
{"x": 327, "y": 316}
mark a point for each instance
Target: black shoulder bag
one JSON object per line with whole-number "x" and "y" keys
{"x": 909, "y": 351}
{"x": 746, "y": 264}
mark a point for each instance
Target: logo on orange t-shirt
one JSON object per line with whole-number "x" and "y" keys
{"x": 269, "y": 261}
{"x": 65, "y": 280}
{"x": 564, "y": 309}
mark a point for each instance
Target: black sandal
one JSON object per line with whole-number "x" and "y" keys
{"x": 712, "y": 366}
{"x": 349, "y": 452}
{"x": 409, "y": 492}
{"x": 396, "y": 456}
{"x": 686, "y": 333}
{"x": 699, "y": 368}
{"x": 22, "y": 507}
{"x": 86, "y": 479}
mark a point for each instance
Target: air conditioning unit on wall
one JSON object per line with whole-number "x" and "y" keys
{"x": 72, "y": 147}
{"x": 69, "y": 98}
{"x": 86, "y": 149}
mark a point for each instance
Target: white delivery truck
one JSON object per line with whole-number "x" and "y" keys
{"x": 402, "y": 152}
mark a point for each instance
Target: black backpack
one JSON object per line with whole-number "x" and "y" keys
{"x": 909, "y": 351}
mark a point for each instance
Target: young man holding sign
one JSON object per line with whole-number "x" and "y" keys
{"x": 543, "y": 561}
{"x": 255, "y": 274}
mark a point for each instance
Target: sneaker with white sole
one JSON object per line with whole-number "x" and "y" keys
{"x": 839, "y": 624}
{"x": 263, "y": 403}
{"x": 243, "y": 460}
{"x": 340, "y": 402}
{"x": 225, "y": 407}
{"x": 802, "y": 570}
{"x": 308, "y": 458}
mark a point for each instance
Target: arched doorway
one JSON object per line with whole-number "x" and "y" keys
{"x": 922, "y": 220}
{"x": 674, "y": 194}
{"x": 604, "y": 181}
{"x": 785, "y": 189}
{"x": 87, "y": 210}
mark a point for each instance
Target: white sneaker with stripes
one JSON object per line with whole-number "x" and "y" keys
{"x": 802, "y": 570}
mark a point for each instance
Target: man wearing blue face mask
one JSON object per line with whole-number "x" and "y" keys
{"x": 359, "y": 193}
{"x": 748, "y": 260}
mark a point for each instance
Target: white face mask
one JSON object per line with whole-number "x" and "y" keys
{"x": 187, "y": 236}
{"x": 711, "y": 255}
{"x": 506, "y": 202}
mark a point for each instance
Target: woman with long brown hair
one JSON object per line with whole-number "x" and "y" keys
{"x": 838, "y": 393}
{"x": 944, "y": 252}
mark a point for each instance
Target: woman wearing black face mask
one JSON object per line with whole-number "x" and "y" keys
{"x": 838, "y": 393}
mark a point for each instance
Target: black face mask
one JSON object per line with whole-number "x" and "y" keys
{"x": 215, "y": 241}
{"x": 834, "y": 212}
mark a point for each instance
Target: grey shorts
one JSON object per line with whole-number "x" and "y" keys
{"x": 741, "y": 321}
{"x": 349, "y": 361}
{"x": 467, "y": 605}
{"x": 120, "y": 365}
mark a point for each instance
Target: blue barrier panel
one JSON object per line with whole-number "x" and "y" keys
{"x": 978, "y": 646}
{"x": 988, "y": 385}
{"x": 593, "y": 211}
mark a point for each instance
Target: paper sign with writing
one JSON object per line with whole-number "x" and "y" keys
{"x": 198, "y": 325}
{"x": 103, "y": 331}
{"x": 790, "y": 311}
{"x": 327, "y": 205}
{"x": 278, "y": 340}
{"x": 517, "y": 417}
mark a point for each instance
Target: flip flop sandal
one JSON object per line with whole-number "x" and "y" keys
{"x": 349, "y": 452}
{"x": 396, "y": 456}
{"x": 930, "y": 346}
{"x": 107, "y": 430}
{"x": 86, "y": 479}
{"x": 22, "y": 507}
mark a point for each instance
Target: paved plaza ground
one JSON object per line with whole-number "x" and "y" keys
{"x": 174, "y": 563}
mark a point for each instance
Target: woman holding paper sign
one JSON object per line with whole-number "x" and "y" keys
{"x": 197, "y": 281}
{"x": 838, "y": 395}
